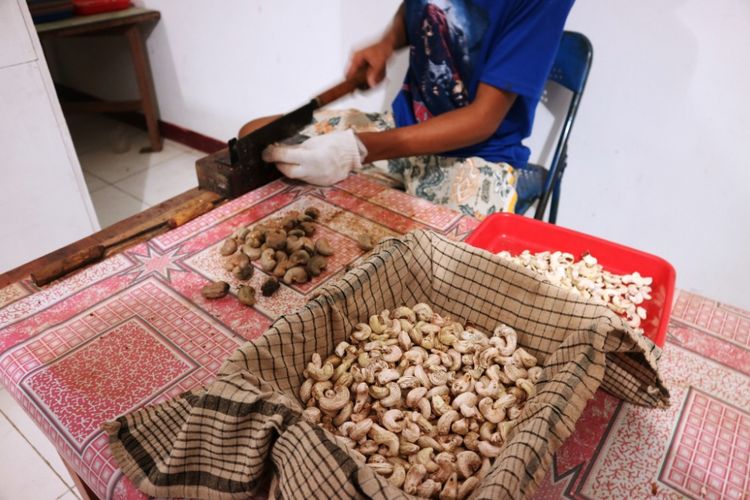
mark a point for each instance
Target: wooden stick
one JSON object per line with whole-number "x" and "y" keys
{"x": 64, "y": 266}
{"x": 189, "y": 213}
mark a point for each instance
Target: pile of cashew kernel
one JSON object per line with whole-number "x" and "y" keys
{"x": 624, "y": 294}
{"x": 422, "y": 399}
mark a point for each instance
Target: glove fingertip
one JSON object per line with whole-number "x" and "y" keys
{"x": 269, "y": 154}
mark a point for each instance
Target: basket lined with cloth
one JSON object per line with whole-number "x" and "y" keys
{"x": 226, "y": 440}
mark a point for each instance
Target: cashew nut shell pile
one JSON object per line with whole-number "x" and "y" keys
{"x": 282, "y": 247}
{"x": 624, "y": 294}
{"x": 424, "y": 400}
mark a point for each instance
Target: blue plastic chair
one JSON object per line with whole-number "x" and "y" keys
{"x": 571, "y": 70}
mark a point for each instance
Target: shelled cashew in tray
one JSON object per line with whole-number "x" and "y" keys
{"x": 424, "y": 400}
{"x": 624, "y": 294}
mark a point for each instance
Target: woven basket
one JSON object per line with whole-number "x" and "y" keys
{"x": 228, "y": 439}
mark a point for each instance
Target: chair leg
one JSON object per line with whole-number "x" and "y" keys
{"x": 553, "y": 203}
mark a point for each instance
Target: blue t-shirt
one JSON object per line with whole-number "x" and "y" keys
{"x": 454, "y": 45}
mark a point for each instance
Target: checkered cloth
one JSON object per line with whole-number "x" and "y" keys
{"x": 226, "y": 440}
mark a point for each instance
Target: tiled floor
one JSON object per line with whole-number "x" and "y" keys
{"x": 30, "y": 468}
{"x": 122, "y": 182}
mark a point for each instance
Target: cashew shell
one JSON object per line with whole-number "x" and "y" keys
{"x": 269, "y": 287}
{"x": 228, "y": 247}
{"x": 215, "y": 290}
{"x": 246, "y": 295}
{"x": 312, "y": 212}
{"x": 365, "y": 242}
{"x": 295, "y": 275}
{"x": 323, "y": 247}
{"x": 243, "y": 272}
{"x": 316, "y": 265}
{"x": 276, "y": 239}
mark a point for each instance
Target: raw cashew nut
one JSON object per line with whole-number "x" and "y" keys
{"x": 311, "y": 414}
{"x": 535, "y": 373}
{"x": 319, "y": 389}
{"x": 487, "y": 388}
{"x": 488, "y": 450}
{"x": 510, "y": 336}
{"x": 514, "y": 372}
{"x": 463, "y": 384}
{"x": 392, "y": 353}
{"x": 360, "y": 429}
{"x": 467, "y": 487}
{"x": 414, "y": 478}
{"x": 423, "y": 312}
{"x": 439, "y": 406}
{"x": 305, "y": 390}
{"x": 527, "y": 386}
{"x": 450, "y": 490}
{"x": 388, "y": 375}
{"x": 406, "y": 448}
{"x": 467, "y": 463}
{"x": 318, "y": 372}
{"x": 524, "y": 358}
{"x": 385, "y": 437}
{"x": 414, "y": 395}
{"x": 406, "y": 313}
{"x": 446, "y": 421}
{"x": 377, "y": 325}
{"x": 384, "y": 469}
{"x": 424, "y": 457}
{"x": 490, "y": 412}
{"x": 411, "y": 432}
{"x": 428, "y": 488}
{"x": 398, "y": 476}
{"x": 361, "y": 332}
{"x": 465, "y": 399}
{"x": 393, "y": 397}
{"x": 362, "y": 396}
{"x": 449, "y": 442}
{"x": 334, "y": 399}
{"x": 345, "y": 412}
{"x": 393, "y": 420}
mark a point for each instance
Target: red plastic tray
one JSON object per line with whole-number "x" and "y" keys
{"x": 89, "y": 7}
{"x": 516, "y": 233}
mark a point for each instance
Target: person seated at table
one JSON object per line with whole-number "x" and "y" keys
{"x": 477, "y": 69}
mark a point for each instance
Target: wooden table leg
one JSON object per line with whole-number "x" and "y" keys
{"x": 145, "y": 86}
{"x": 83, "y": 489}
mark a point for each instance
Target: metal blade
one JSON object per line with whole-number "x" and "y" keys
{"x": 247, "y": 150}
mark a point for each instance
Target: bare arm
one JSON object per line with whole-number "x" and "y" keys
{"x": 452, "y": 130}
{"x": 375, "y": 57}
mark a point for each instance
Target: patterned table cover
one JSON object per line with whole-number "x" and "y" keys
{"x": 135, "y": 330}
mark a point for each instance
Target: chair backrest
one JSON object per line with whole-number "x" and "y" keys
{"x": 573, "y": 61}
{"x": 571, "y": 70}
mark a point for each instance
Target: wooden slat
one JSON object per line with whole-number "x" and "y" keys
{"x": 85, "y": 24}
{"x": 123, "y": 234}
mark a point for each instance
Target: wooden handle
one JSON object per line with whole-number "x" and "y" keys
{"x": 64, "y": 266}
{"x": 358, "y": 81}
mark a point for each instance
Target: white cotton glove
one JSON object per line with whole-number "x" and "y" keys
{"x": 322, "y": 160}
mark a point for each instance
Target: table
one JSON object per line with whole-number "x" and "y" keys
{"x": 144, "y": 304}
{"x": 128, "y": 23}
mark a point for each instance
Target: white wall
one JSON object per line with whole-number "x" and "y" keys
{"x": 221, "y": 64}
{"x": 44, "y": 203}
{"x": 657, "y": 156}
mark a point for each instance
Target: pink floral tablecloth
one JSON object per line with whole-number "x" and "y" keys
{"x": 134, "y": 330}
